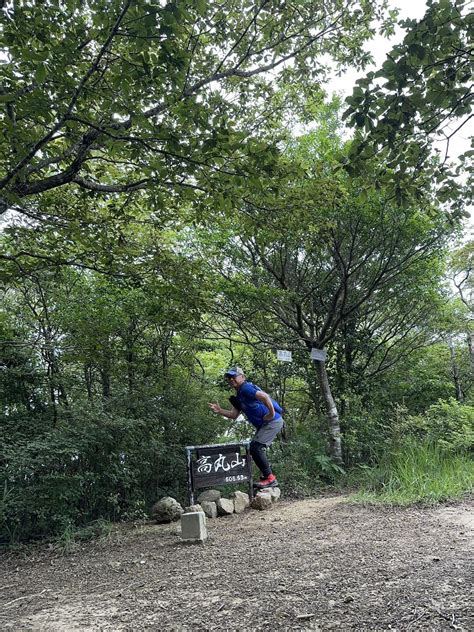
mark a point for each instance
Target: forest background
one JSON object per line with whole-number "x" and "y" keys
{"x": 181, "y": 194}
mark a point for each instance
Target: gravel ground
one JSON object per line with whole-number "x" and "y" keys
{"x": 319, "y": 564}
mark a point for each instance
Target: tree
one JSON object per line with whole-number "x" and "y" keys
{"x": 461, "y": 266}
{"x": 330, "y": 261}
{"x": 422, "y": 94}
{"x": 117, "y": 97}
{"x": 100, "y": 391}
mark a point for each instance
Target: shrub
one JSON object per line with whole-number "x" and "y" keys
{"x": 109, "y": 462}
{"x": 301, "y": 465}
{"x": 87, "y": 465}
{"x": 448, "y": 424}
{"x": 368, "y": 433}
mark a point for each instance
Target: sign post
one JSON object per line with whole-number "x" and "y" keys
{"x": 218, "y": 464}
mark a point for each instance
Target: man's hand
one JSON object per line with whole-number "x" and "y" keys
{"x": 215, "y": 408}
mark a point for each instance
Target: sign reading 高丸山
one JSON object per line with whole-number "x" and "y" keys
{"x": 221, "y": 464}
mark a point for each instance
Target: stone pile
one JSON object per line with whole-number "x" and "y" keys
{"x": 212, "y": 504}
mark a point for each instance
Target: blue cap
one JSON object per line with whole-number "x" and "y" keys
{"x": 233, "y": 371}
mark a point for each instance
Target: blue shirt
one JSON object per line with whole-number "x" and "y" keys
{"x": 252, "y": 407}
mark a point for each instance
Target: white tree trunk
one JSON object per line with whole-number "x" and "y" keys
{"x": 455, "y": 371}
{"x": 331, "y": 411}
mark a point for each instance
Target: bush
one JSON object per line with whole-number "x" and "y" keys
{"x": 301, "y": 465}
{"x": 448, "y": 424}
{"x": 368, "y": 433}
{"x": 87, "y": 465}
{"x": 57, "y": 476}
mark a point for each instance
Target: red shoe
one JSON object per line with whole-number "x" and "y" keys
{"x": 270, "y": 481}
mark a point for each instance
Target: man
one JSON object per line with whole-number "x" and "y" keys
{"x": 262, "y": 411}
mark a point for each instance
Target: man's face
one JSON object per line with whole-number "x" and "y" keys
{"x": 235, "y": 380}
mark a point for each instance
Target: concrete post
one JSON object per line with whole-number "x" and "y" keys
{"x": 193, "y": 526}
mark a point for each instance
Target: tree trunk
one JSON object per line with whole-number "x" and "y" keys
{"x": 471, "y": 350}
{"x": 455, "y": 371}
{"x": 130, "y": 339}
{"x": 105, "y": 376}
{"x": 57, "y": 391}
{"x": 130, "y": 360}
{"x": 52, "y": 394}
{"x": 331, "y": 410}
{"x": 88, "y": 380}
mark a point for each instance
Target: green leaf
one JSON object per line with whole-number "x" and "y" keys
{"x": 201, "y": 6}
{"x": 6, "y": 98}
{"x": 41, "y": 73}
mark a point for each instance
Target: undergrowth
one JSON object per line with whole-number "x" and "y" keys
{"x": 416, "y": 472}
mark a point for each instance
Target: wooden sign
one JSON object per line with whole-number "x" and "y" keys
{"x": 221, "y": 464}
{"x": 318, "y": 354}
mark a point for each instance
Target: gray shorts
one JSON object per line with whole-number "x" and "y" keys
{"x": 267, "y": 433}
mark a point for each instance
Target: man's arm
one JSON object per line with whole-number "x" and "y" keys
{"x": 267, "y": 400}
{"x": 230, "y": 414}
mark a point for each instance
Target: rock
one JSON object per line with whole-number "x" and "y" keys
{"x": 193, "y": 509}
{"x": 241, "y": 501}
{"x": 209, "y": 508}
{"x": 275, "y": 493}
{"x": 211, "y": 495}
{"x": 166, "y": 510}
{"x": 262, "y": 501}
{"x": 225, "y": 507}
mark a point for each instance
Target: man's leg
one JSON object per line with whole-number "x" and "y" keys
{"x": 262, "y": 439}
{"x": 259, "y": 455}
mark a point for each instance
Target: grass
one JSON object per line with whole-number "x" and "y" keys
{"x": 68, "y": 540}
{"x": 416, "y": 473}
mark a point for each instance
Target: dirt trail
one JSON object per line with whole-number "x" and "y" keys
{"x": 312, "y": 564}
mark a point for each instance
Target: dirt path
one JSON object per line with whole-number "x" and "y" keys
{"x": 315, "y": 564}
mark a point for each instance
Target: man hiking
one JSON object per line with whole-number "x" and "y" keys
{"x": 262, "y": 411}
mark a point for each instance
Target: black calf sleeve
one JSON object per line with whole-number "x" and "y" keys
{"x": 259, "y": 455}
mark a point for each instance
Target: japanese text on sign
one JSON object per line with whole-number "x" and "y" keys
{"x": 224, "y": 462}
